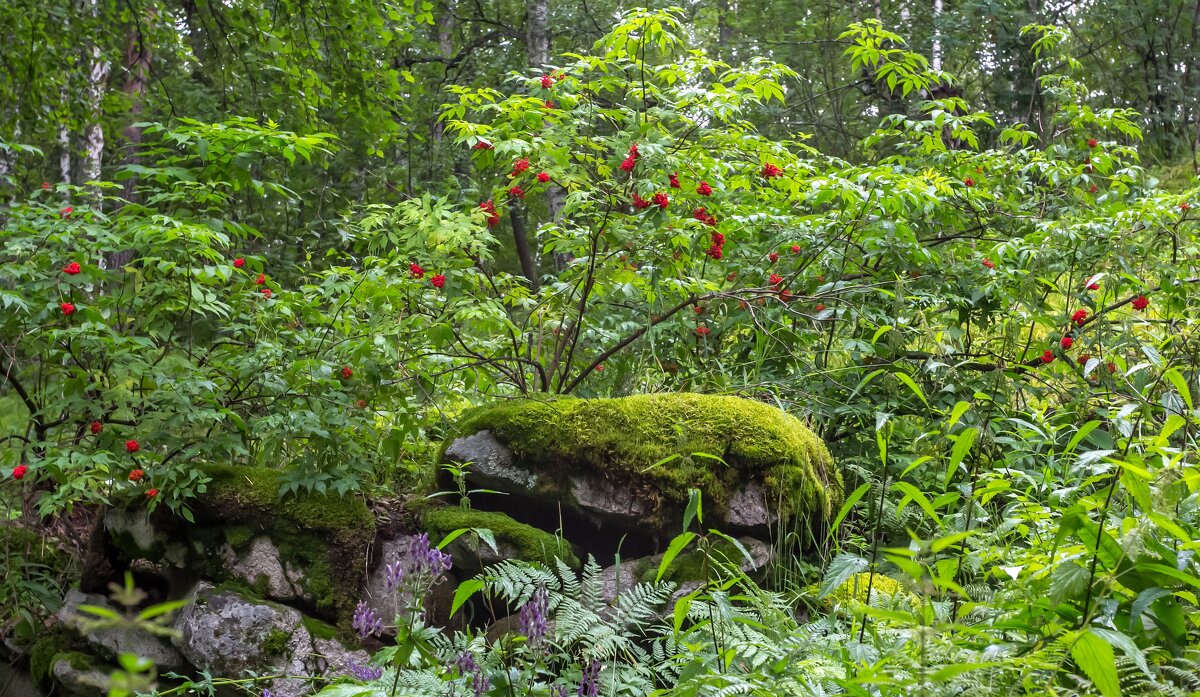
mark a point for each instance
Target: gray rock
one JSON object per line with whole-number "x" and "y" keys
{"x": 605, "y": 499}
{"x": 228, "y": 634}
{"x": 491, "y": 463}
{"x": 112, "y": 642}
{"x": 135, "y": 528}
{"x": 260, "y": 565}
{"x": 82, "y": 681}
{"x": 748, "y": 508}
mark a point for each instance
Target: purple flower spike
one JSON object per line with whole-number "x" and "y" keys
{"x": 481, "y": 684}
{"x": 363, "y": 673}
{"x": 589, "y": 685}
{"x": 533, "y": 616}
{"x": 366, "y": 622}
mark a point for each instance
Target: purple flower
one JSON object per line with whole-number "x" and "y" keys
{"x": 394, "y": 576}
{"x": 363, "y": 673}
{"x": 533, "y": 616}
{"x": 481, "y": 684}
{"x": 589, "y": 685}
{"x": 558, "y": 691}
{"x": 366, "y": 622}
{"x": 466, "y": 663}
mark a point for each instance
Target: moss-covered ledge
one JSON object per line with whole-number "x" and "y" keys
{"x": 326, "y": 535}
{"x": 517, "y": 539}
{"x": 660, "y": 441}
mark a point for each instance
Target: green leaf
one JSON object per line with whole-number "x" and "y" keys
{"x": 845, "y": 509}
{"x": 840, "y": 570}
{"x": 904, "y": 378}
{"x": 1094, "y": 656}
{"x": 677, "y": 545}
{"x": 463, "y": 593}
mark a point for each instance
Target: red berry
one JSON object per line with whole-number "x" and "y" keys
{"x": 640, "y": 203}
{"x": 67, "y": 211}
{"x": 549, "y": 104}
{"x": 347, "y": 372}
{"x": 72, "y": 268}
{"x": 1140, "y": 302}
{"x": 415, "y": 270}
{"x": 776, "y": 279}
{"x": 361, "y": 404}
{"x": 67, "y": 308}
{"x": 45, "y": 185}
{"x": 795, "y": 249}
{"x": 773, "y": 257}
{"x": 770, "y": 171}
{"x": 516, "y": 192}
{"x": 132, "y": 446}
{"x": 1092, "y": 142}
{"x": 547, "y": 82}
{"x": 704, "y": 189}
{"x": 438, "y": 281}
{"x": 151, "y": 493}
{"x": 1092, "y": 189}
{"x": 702, "y": 330}
{"x": 239, "y": 263}
{"x": 628, "y": 163}
{"x": 674, "y": 179}
{"x": 1112, "y": 367}
{"x": 266, "y": 292}
{"x": 1066, "y": 342}
{"x": 492, "y": 216}
{"x": 1184, "y": 206}
{"x": 698, "y": 309}
{"x": 520, "y": 165}
{"x": 1047, "y": 356}
{"x": 136, "y": 475}
{"x": 969, "y": 182}
{"x": 543, "y": 177}
{"x": 1079, "y": 316}
{"x": 97, "y": 427}
{"x": 600, "y": 368}
{"x": 820, "y": 307}
{"x": 19, "y": 471}
{"x": 660, "y": 199}
{"x": 261, "y": 279}
{"x": 989, "y": 263}
{"x": 1083, "y": 358}
{"x": 1093, "y": 286}
{"x": 482, "y": 145}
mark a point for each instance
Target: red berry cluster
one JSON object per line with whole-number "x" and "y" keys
{"x": 770, "y": 171}
{"x": 492, "y": 216}
{"x": 630, "y": 160}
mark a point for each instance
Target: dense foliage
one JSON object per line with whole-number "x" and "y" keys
{"x": 988, "y": 316}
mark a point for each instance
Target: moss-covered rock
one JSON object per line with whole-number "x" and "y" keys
{"x": 870, "y": 589}
{"x": 514, "y": 540}
{"x": 659, "y": 446}
{"x": 327, "y": 537}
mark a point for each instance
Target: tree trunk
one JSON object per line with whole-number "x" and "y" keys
{"x": 93, "y": 133}
{"x": 935, "y": 59}
{"x": 524, "y": 254}
{"x": 137, "y": 66}
{"x": 724, "y": 31}
{"x": 537, "y": 48}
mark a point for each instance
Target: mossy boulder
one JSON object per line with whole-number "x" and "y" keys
{"x": 228, "y": 632}
{"x": 307, "y": 549}
{"x": 870, "y": 589}
{"x": 513, "y": 540}
{"x": 633, "y": 459}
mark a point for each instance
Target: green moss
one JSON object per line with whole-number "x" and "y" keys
{"x": 882, "y": 589}
{"x": 653, "y": 439}
{"x": 41, "y": 657}
{"x": 326, "y": 535}
{"x": 276, "y": 642}
{"x": 319, "y": 629}
{"x": 238, "y": 536}
{"x": 531, "y": 543}
{"x": 696, "y": 565}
